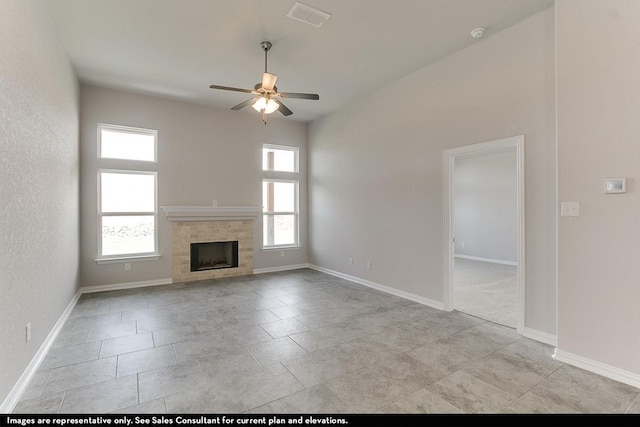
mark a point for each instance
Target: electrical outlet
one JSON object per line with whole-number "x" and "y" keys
{"x": 351, "y": 261}
{"x": 570, "y": 209}
{"x": 28, "y": 332}
{"x": 127, "y": 266}
{"x": 368, "y": 265}
{"x": 281, "y": 253}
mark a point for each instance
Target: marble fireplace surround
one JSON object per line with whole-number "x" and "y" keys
{"x": 201, "y": 224}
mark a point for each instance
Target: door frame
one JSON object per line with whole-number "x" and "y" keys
{"x": 449, "y": 157}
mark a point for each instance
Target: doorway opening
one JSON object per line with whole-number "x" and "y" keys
{"x": 484, "y": 231}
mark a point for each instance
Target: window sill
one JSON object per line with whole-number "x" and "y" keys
{"x": 133, "y": 258}
{"x": 281, "y": 248}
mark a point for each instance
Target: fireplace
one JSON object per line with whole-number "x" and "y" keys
{"x": 214, "y": 255}
{"x": 200, "y": 224}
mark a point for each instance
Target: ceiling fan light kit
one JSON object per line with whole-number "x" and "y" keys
{"x": 266, "y": 99}
{"x": 268, "y": 105}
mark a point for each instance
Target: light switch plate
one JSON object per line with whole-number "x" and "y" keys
{"x": 615, "y": 185}
{"x": 570, "y": 209}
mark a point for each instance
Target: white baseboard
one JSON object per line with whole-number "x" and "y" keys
{"x": 397, "y": 292}
{"x": 14, "y": 395}
{"x": 494, "y": 261}
{"x": 599, "y": 368}
{"x": 530, "y": 333}
{"x": 281, "y": 268}
{"x": 127, "y": 285}
{"x": 540, "y": 336}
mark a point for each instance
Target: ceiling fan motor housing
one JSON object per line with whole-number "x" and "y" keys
{"x": 258, "y": 88}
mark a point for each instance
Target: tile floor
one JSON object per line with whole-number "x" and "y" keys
{"x": 300, "y": 342}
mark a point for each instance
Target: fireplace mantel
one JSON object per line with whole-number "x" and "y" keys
{"x": 211, "y": 213}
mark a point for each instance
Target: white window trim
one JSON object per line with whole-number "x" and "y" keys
{"x": 141, "y": 256}
{"x": 128, "y": 129}
{"x": 122, "y": 259}
{"x": 296, "y": 156}
{"x": 296, "y": 215}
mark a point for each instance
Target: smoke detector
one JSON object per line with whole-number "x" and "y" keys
{"x": 477, "y": 33}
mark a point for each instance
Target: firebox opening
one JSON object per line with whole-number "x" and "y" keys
{"x": 214, "y": 255}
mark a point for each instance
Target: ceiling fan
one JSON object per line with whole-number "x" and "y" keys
{"x": 266, "y": 99}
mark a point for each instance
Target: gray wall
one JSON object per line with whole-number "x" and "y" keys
{"x": 375, "y": 172}
{"x": 38, "y": 184}
{"x": 204, "y": 154}
{"x": 484, "y": 206}
{"x": 599, "y": 137}
{"x": 376, "y": 166}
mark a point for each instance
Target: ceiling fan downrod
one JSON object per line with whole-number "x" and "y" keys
{"x": 265, "y": 46}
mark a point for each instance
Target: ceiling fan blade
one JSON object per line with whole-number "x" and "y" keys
{"x": 283, "y": 108}
{"x": 245, "y": 103}
{"x": 299, "y": 95}
{"x": 235, "y": 89}
{"x": 268, "y": 81}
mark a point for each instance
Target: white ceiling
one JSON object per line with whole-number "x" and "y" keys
{"x": 177, "y": 48}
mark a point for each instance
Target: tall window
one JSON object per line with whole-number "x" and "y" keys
{"x": 127, "y": 205}
{"x": 280, "y": 196}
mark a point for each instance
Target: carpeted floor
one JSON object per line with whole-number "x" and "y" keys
{"x": 486, "y": 290}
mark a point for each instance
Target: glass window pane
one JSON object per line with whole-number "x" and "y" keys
{"x": 281, "y": 160}
{"x": 278, "y": 196}
{"x": 128, "y": 234}
{"x": 127, "y": 192}
{"x": 279, "y": 230}
{"x": 116, "y": 144}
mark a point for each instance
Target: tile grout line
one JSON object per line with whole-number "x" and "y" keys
{"x": 530, "y": 390}
{"x": 45, "y": 383}
{"x": 138, "y": 388}
{"x": 626, "y": 411}
{"x": 64, "y": 395}
{"x": 153, "y": 338}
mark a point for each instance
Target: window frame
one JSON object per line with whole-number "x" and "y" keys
{"x": 103, "y": 259}
{"x": 296, "y": 157}
{"x": 295, "y": 213}
{"x": 285, "y": 177}
{"x": 127, "y": 129}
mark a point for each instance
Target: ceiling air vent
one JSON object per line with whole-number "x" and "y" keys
{"x": 307, "y": 14}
